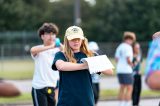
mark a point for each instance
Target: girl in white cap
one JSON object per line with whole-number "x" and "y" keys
{"x": 75, "y": 87}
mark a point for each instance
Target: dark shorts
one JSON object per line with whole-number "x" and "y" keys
{"x": 126, "y": 79}
{"x": 43, "y": 97}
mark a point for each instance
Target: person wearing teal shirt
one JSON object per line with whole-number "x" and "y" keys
{"x": 137, "y": 83}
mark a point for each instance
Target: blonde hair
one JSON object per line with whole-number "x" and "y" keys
{"x": 128, "y": 34}
{"x": 69, "y": 53}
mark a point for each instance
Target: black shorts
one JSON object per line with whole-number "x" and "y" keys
{"x": 126, "y": 79}
{"x": 43, "y": 97}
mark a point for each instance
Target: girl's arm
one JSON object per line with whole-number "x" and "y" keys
{"x": 37, "y": 49}
{"x": 108, "y": 72}
{"x": 68, "y": 66}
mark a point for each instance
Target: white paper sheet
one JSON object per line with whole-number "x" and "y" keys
{"x": 98, "y": 63}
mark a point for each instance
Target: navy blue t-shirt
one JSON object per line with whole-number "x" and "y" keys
{"x": 75, "y": 87}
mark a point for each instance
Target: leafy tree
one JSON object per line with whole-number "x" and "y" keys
{"x": 104, "y": 21}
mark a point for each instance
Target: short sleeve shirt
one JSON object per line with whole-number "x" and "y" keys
{"x": 153, "y": 57}
{"x": 124, "y": 51}
{"x": 75, "y": 87}
{"x": 44, "y": 76}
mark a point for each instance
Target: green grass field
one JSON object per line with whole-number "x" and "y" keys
{"x": 19, "y": 69}
{"x": 24, "y": 68}
{"x": 16, "y": 69}
{"x": 141, "y": 70}
{"x": 104, "y": 95}
{"x": 113, "y": 94}
{"x": 24, "y": 98}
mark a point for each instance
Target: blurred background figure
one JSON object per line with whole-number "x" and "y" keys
{"x": 124, "y": 57}
{"x": 137, "y": 59}
{"x": 95, "y": 77}
{"x": 44, "y": 83}
{"x": 152, "y": 71}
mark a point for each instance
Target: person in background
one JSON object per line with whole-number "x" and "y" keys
{"x": 152, "y": 72}
{"x": 137, "y": 59}
{"x": 95, "y": 77}
{"x": 124, "y": 57}
{"x": 75, "y": 86}
{"x": 45, "y": 79}
{"x": 58, "y": 44}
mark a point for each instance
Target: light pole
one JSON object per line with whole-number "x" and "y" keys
{"x": 77, "y": 17}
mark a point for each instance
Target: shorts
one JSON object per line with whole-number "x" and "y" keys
{"x": 44, "y": 96}
{"x": 126, "y": 79}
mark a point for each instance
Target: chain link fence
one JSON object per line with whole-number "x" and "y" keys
{"x": 21, "y": 51}
{"x": 18, "y": 44}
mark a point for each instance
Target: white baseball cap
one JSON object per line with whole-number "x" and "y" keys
{"x": 74, "y": 32}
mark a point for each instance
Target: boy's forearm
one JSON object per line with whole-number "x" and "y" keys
{"x": 35, "y": 50}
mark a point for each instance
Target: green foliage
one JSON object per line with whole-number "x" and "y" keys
{"x": 104, "y": 21}
{"x": 22, "y": 14}
{"x": 113, "y": 17}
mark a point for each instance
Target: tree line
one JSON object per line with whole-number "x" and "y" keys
{"x": 105, "y": 21}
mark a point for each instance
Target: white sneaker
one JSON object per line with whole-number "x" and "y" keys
{"x": 127, "y": 103}
{"x": 122, "y": 103}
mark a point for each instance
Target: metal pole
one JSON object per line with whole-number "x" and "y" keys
{"x": 2, "y": 57}
{"x": 77, "y": 18}
{"x": 24, "y": 43}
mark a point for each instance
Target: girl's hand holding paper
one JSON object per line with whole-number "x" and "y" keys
{"x": 98, "y": 64}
